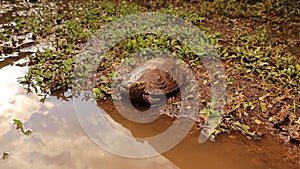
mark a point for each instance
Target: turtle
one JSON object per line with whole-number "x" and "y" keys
{"x": 154, "y": 78}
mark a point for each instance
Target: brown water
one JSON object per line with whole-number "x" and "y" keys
{"x": 58, "y": 140}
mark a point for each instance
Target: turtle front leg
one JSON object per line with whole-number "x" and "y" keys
{"x": 151, "y": 99}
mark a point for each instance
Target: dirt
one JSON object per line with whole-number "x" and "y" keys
{"x": 273, "y": 115}
{"x": 270, "y": 110}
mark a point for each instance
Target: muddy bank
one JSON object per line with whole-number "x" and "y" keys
{"x": 58, "y": 140}
{"x": 259, "y": 51}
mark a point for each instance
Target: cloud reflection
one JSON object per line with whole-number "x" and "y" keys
{"x": 58, "y": 140}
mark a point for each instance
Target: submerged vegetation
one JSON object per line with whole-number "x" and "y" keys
{"x": 20, "y": 126}
{"x": 256, "y": 41}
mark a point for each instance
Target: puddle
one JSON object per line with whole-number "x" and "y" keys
{"x": 58, "y": 140}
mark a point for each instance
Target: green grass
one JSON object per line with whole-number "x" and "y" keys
{"x": 251, "y": 51}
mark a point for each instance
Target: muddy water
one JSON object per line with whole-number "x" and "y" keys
{"x": 58, "y": 140}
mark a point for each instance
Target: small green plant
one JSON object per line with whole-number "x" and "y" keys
{"x": 20, "y": 126}
{"x": 248, "y": 51}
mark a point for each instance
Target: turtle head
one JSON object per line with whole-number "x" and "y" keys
{"x": 136, "y": 90}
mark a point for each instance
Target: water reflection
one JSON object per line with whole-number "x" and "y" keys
{"x": 57, "y": 140}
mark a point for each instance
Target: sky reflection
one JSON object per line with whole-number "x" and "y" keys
{"x": 58, "y": 140}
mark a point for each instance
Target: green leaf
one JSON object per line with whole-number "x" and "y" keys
{"x": 27, "y": 132}
{"x": 19, "y": 125}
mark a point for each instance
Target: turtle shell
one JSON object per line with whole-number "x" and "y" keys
{"x": 160, "y": 76}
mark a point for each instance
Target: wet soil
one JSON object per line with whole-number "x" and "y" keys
{"x": 58, "y": 141}
{"x": 274, "y": 112}
{"x": 56, "y": 127}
